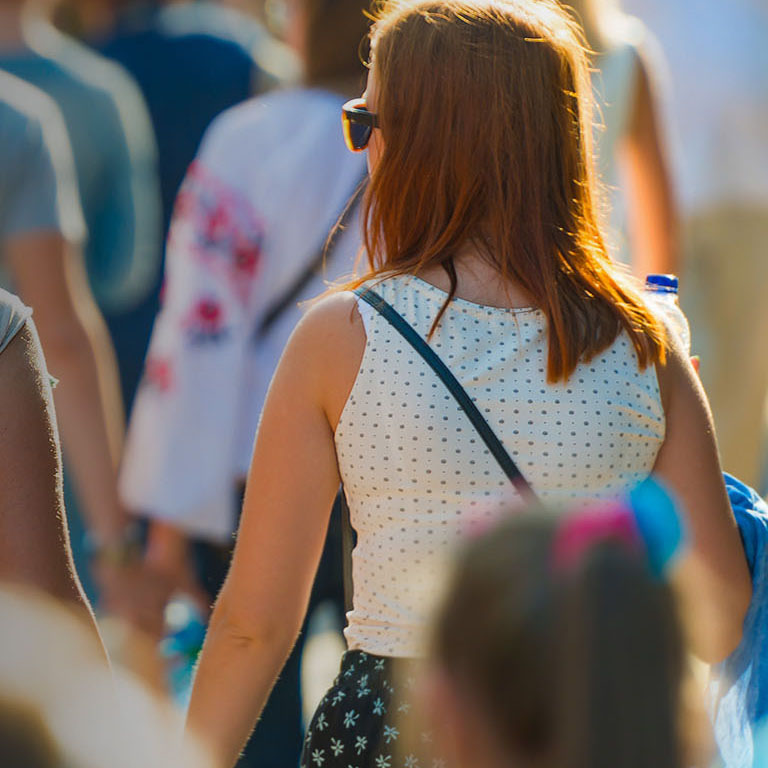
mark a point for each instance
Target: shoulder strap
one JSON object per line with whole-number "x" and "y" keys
{"x": 323, "y": 252}
{"x": 500, "y": 453}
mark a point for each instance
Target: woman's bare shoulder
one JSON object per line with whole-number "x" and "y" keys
{"x": 333, "y": 317}
{"x": 329, "y": 344}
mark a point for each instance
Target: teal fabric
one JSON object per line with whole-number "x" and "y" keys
{"x": 38, "y": 191}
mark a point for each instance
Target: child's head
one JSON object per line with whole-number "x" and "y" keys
{"x": 483, "y": 142}
{"x": 558, "y": 661}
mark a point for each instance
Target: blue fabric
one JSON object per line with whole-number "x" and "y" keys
{"x": 739, "y": 687}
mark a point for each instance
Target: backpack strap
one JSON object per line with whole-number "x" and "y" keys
{"x": 494, "y": 445}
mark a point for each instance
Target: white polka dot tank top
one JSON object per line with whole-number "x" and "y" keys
{"x": 416, "y": 474}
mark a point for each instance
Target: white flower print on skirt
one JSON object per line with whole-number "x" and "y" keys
{"x": 361, "y": 721}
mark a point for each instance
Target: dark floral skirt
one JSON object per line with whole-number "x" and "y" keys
{"x": 363, "y": 721}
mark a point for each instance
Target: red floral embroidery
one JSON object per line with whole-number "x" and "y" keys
{"x": 247, "y": 258}
{"x": 209, "y": 316}
{"x": 216, "y": 230}
{"x": 217, "y": 224}
{"x": 158, "y": 373}
{"x": 205, "y": 321}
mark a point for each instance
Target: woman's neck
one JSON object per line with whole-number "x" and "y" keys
{"x": 478, "y": 281}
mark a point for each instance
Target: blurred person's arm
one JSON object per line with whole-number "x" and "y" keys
{"x": 652, "y": 208}
{"x": 713, "y": 576}
{"x": 50, "y": 277}
{"x": 179, "y": 467}
{"x": 34, "y": 539}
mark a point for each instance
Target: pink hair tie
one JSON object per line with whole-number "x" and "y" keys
{"x": 579, "y": 532}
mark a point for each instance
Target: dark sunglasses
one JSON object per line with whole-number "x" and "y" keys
{"x": 358, "y": 124}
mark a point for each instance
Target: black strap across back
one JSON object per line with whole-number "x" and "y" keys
{"x": 494, "y": 445}
{"x": 322, "y": 253}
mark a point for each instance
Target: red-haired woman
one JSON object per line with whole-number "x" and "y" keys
{"x": 480, "y": 231}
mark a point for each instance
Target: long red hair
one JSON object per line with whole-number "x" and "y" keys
{"x": 485, "y": 113}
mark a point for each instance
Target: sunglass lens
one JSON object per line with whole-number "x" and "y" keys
{"x": 357, "y": 135}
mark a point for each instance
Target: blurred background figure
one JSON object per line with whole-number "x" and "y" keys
{"x": 630, "y": 145}
{"x": 558, "y": 646}
{"x": 718, "y": 68}
{"x": 115, "y": 161}
{"x": 246, "y": 246}
{"x": 191, "y": 60}
{"x": 41, "y": 229}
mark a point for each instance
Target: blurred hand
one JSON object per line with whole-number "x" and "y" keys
{"x": 168, "y": 559}
{"x": 134, "y": 594}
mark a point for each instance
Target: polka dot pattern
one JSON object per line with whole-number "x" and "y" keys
{"x": 416, "y": 473}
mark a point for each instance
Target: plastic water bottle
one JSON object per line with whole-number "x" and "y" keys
{"x": 661, "y": 291}
{"x": 184, "y": 635}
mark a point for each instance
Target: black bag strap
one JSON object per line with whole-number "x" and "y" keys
{"x": 499, "y": 452}
{"x": 324, "y": 251}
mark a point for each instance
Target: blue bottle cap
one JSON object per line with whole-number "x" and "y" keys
{"x": 662, "y": 283}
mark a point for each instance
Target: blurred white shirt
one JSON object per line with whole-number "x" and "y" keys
{"x": 269, "y": 182}
{"x": 717, "y": 53}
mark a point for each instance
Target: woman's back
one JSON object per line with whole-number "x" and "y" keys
{"x": 415, "y": 472}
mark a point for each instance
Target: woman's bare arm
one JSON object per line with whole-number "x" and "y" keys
{"x": 34, "y": 541}
{"x": 291, "y": 486}
{"x": 652, "y": 207}
{"x": 714, "y": 577}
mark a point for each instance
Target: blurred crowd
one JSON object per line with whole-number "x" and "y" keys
{"x": 169, "y": 176}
